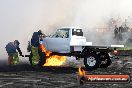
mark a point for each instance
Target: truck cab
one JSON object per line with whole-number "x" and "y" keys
{"x": 63, "y": 39}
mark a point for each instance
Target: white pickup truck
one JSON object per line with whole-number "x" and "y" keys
{"x": 71, "y": 42}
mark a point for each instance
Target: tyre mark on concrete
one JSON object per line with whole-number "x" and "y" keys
{"x": 6, "y": 84}
{"x": 68, "y": 85}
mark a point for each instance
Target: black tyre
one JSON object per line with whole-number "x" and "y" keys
{"x": 105, "y": 60}
{"x": 91, "y": 61}
{"x": 42, "y": 56}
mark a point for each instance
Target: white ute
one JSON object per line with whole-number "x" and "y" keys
{"x": 71, "y": 42}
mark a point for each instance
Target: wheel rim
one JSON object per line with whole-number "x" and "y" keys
{"x": 91, "y": 61}
{"x": 104, "y": 62}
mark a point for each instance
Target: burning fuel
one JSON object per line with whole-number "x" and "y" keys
{"x": 42, "y": 47}
{"x": 53, "y": 60}
{"x": 81, "y": 71}
{"x": 81, "y": 77}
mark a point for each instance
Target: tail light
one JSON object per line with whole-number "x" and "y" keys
{"x": 115, "y": 52}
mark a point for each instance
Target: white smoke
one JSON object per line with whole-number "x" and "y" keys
{"x": 19, "y": 19}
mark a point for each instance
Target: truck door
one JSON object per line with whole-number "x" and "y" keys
{"x": 59, "y": 42}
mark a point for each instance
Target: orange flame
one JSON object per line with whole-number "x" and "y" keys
{"x": 81, "y": 71}
{"x": 54, "y": 60}
{"x": 42, "y": 47}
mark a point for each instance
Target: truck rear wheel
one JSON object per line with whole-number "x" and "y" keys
{"x": 105, "y": 60}
{"x": 91, "y": 61}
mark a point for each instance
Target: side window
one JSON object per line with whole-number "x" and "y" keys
{"x": 61, "y": 34}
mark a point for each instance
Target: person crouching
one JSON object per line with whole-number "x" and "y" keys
{"x": 12, "y": 49}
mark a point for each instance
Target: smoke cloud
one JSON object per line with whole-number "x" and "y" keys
{"x": 20, "y": 18}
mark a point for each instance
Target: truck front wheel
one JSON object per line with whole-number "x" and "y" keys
{"x": 42, "y": 56}
{"x": 91, "y": 61}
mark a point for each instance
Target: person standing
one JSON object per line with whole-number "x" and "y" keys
{"x": 121, "y": 30}
{"x": 35, "y": 42}
{"x": 116, "y": 31}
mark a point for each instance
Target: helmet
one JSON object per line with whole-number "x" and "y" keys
{"x": 40, "y": 31}
{"x": 17, "y": 42}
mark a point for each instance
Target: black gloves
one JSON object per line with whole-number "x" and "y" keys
{"x": 22, "y": 55}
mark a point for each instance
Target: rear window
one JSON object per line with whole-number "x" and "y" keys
{"x": 77, "y": 32}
